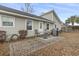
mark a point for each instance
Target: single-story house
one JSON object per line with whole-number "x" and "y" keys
{"x": 12, "y": 21}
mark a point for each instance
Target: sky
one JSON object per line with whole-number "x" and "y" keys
{"x": 63, "y": 10}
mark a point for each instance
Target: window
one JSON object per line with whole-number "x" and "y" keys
{"x": 7, "y": 21}
{"x": 29, "y": 25}
{"x": 47, "y": 26}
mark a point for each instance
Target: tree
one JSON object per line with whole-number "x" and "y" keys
{"x": 71, "y": 20}
{"x": 28, "y": 8}
{"x": 67, "y": 21}
{"x": 77, "y": 20}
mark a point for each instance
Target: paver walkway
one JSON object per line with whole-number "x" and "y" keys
{"x": 26, "y": 47}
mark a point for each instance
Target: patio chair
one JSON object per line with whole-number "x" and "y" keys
{"x": 45, "y": 35}
{"x": 36, "y": 33}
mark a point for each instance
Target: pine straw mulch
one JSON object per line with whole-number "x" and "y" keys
{"x": 4, "y": 49}
{"x": 66, "y": 47}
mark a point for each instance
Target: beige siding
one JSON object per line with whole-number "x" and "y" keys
{"x": 19, "y": 25}
{"x": 49, "y": 16}
{"x": 52, "y": 17}
{"x": 58, "y": 25}
{"x": 51, "y": 26}
{"x": 44, "y": 25}
{"x": 34, "y": 26}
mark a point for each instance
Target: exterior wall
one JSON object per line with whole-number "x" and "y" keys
{"x": 48, "y": 16}
{"x": 35, "y": 25}
{"x": 44, "y": 25}
{"x": 57, "y": 23}
{"x": 19, "y": 25}
{"x": 52, "y": 17}
{"x": 51, "y": 26}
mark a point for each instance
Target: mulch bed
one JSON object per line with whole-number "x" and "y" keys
{"x": 4, "y": 49}
{"x": 69, "y": 46}
{"x": 66, "y": 47}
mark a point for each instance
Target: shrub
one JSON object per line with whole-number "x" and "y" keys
{"x": 2, "y": 36}
{"x": 22, "y": 34}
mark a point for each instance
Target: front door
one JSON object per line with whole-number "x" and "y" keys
{"x": 41, "y": 26}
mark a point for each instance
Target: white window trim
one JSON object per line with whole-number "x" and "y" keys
{"x": 26, "y": 25}
{"x": 8, "y": 16}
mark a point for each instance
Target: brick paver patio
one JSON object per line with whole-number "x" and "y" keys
{"x": 26, "y": 47}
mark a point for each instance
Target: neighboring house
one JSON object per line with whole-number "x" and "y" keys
{"x": 52, "y": 16}
{"x": 75, "y": 24}
{"x": 12, "y": 21}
